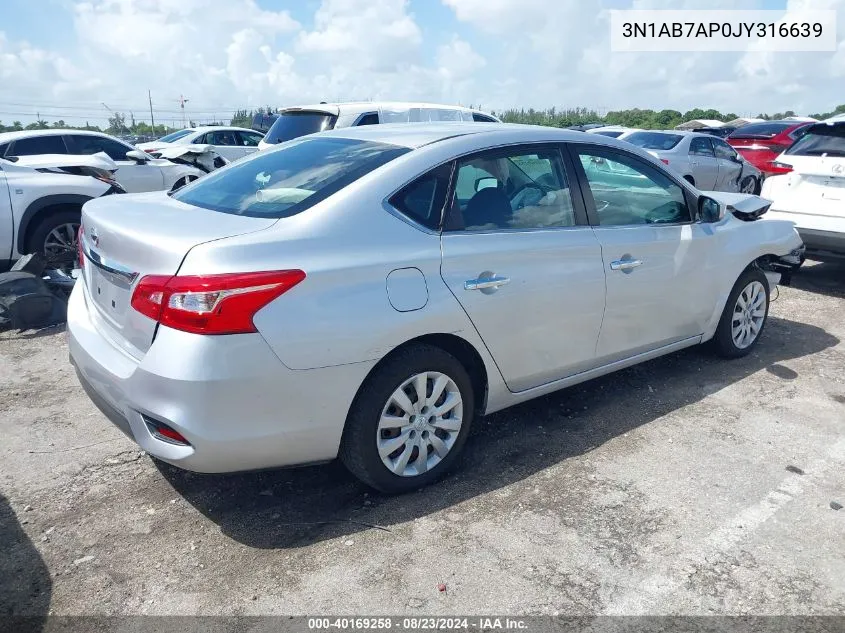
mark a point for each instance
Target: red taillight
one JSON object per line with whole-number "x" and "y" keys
{"x": 211, "y": 304}
{"x": 665, "y": 161}
{"x": 776, "y": 167}
{"x": 151, "y": 150}
{"x": 80, "y": 253}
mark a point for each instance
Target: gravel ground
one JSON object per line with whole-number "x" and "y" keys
{"x": 687, "y": 485}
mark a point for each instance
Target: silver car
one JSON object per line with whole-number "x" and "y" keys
{"x": 707, "y": 162}
{"x": 368, "y": 292}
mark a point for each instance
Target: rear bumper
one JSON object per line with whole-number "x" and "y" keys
{"x": 229, "y": 396}
{"x": 823, "y": 235}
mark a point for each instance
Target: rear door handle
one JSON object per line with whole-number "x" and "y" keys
{"x": 486, "y": 282}
{"x": 625, "y": 264}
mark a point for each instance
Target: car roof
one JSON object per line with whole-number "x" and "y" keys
{"x": 414, "y": 135}
{"x": 12, "y": 136}
{"x": 689, "y": 133}
{"x": 212, "y": 128}
{"x": 356, "y": 107}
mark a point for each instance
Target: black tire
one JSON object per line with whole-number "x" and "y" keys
{"x": 755, "y": 189}
{"x": 690, "y": 180}
{"x": 358, "y": 449}
{"x": 723, "y": 340}
{"x": 38, "y": 235}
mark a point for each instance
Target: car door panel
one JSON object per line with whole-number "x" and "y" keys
{"x": 653, "y": 254}
{"x": 704, "y": 166}
{"x": 139, "y": 178}
{"x": 530, "y": 276}
{"x": 133, "y": 176}
{"x": 542, "y": 324}
{"x": 659, "y": 300}
{"x": 730, "y": 166}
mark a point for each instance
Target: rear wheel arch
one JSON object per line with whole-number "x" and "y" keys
{"x": 461, "y": 349}
{"x": 40, "y": 209}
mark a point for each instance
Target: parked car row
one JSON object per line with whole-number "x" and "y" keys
{"x": 177, "y": 159}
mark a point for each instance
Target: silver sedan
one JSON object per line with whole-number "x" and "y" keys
{"x": 707, "y": 162}
{"x": 368, "y": 292}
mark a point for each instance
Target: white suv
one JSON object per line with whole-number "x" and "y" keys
{"x": 812, "y": 193}
{"x": 135, "y": 170}
{"x": 301, "y": 120}
{"x": 41, "y": 202}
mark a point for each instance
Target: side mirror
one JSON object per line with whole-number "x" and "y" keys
{"x": 139, "y": 156}
{"x": 710, "y": 210}
{"x": 486, "y": 183}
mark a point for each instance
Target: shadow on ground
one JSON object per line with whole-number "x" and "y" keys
{"x": 25, "y": 584}
{"x": 297, "y": 507}
{"x": 826, "y": 278}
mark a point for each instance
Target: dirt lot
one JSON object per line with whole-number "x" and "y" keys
{"x": 660, "y": 489}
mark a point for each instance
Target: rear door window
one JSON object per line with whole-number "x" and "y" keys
{"x": 250, "y": 139}
{"x": 222, "y": 137}
{"x": 723, "y": 150}
{"x": 88, "y": 144}
{"x": 511, "y": 189}
{"x": 50, "y": 144}
{"x": 371, "y": 118}
{"x": 291, "y": 125}
{"x": 482, "y": 118}
{"x": 701, "y": 146}
{"x": 287, "y": 181}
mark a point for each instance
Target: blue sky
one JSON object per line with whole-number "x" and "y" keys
{"x": 68, "y": 57}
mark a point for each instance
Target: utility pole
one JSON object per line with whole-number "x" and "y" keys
{"x": 182, "y": 102}
{"x": 152, "y": 119}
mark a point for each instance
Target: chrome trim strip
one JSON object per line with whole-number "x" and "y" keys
{"x": 107, "y": 266}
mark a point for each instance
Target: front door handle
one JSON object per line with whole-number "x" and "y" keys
{"x": 486, "y": 282}
{"x": 625, "y": 264}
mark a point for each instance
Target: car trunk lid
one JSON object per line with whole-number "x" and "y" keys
{"x": 815, "y": 186}
{"x": 127, "y": 237}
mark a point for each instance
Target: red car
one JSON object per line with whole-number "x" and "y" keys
{"x": 761, "y": 143}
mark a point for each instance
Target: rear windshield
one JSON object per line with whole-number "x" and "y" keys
{"x": 765, "y": 129}
{"x": 286, "y": 181}
{"x": 291, "y": 125}
{"x": 654, "y": 140}
{"x": 173, "y": 136}
{"x": 822, "y": 139}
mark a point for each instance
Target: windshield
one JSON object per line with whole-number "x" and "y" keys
{"x": 173, "y": 136}
{"x": 286, "y": 181}
{"x": 654, "y": 140}
{"x": 611, "y": 133}
{"x": 291, "y": 125}
{"x": 822, "y": 139}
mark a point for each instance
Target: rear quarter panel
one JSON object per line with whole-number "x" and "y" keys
{"x": 347, "y": 245}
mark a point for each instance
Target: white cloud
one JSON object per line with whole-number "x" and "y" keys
{"x": 569, "y": 63}
{"x": 500, "y": 53}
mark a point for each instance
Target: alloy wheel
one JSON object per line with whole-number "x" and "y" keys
{"x": 60, "y": 246}
{"x": 748, "y": 315}
{"x": 748, "y": 185}
{"x": 420, "y": 423}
